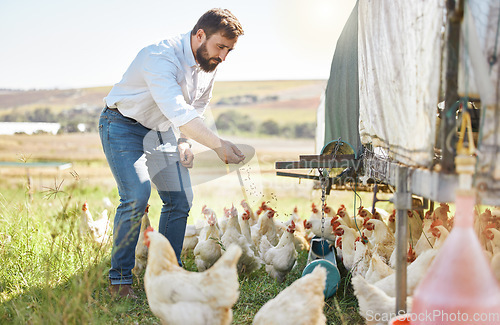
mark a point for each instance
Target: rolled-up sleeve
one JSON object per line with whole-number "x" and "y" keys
{"x": 160, "y": 74}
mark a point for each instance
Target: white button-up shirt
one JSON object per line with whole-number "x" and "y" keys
{"x": 163, "y": 86}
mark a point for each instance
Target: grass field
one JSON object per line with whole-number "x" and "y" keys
{"x": 53, "y": 275}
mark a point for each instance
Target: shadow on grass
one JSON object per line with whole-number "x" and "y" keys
{"x": 81, "y": 299}
{"x": 84, "y": 299}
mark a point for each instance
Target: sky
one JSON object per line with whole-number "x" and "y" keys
{"x": 89, "y": 43}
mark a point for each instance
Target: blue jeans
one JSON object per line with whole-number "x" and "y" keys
{"x": 138, "y": 156}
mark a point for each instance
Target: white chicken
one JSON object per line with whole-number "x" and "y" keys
{"x": 208, "y": 250}
{"x": 301, "y": 303}
{"x": 180, "y": 297}
{"x": 244, "y": 220}
{"x": 493, "y": 236}
{"x": 380, "y": 237}
{"x": 253, "y": 217}
{"x": 329, "y": 212}
{"x": 481, "y": 222}
{"x": 414, "y": 227}
{"x": 345, "y": 243}
{"x": 441, "y": 213}
{"x": 141, "y": 250}
{"x": 263, "y": 207}
{"x": 426, "y": 240}
{"x": 342, "y": 213}
{"x": 97, "y": 229}
{"x": 364, "y": 213}
{"x": 391, "y": 222}
{"x": 374, "y": 304}
{"x": 440, "y": 232}
{"x": 337, "y": 221}
{"x": 206, "y": 213}
{"x": 190, "y": 239}
{"x": 415, "y": 272}
{"x": 299, "y": 222}
{"x": 265, "y": 226}
{"x": 249, "y": 260}
{"x": 279, "y": 259}
{"x": 301, "y": 241}
{"x": 321, "y": 228}
{"x": 315, "y": 213}
{"x": 222, "y": 221}
{"x": 378, "y": 269}
{"x": 362, "y": 256}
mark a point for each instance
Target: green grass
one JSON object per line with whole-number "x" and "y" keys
{"x": 260, "y": 88}
{"x": 52, "y": 275}
{"x": 262, "y": 114}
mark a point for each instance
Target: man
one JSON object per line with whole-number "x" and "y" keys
{"x": 167, "y": 87}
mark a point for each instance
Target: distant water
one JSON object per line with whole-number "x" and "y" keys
{"x": 8, "y": 128}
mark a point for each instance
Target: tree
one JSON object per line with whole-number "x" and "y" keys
{"x": 269, "y": 127}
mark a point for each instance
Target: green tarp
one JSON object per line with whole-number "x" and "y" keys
{"x": 342, "y": 91}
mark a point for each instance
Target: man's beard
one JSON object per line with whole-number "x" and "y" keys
{"x": 206, "y": 63}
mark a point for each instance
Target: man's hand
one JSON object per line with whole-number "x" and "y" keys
{"x": 186, "y": 154}
{"x": 199, "y": 132}
{"x": 229, "y": 153}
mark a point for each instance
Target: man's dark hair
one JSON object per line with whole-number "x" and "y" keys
{"x": 219, "y": 20}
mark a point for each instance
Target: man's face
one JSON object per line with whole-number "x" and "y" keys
{"x": 213, "y": 51}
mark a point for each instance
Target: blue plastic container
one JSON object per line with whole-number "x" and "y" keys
{"x": 321, "y": 254}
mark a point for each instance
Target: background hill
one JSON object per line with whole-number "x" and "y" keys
{"x": 225, "y": 92}
{"x": 285, "y": 107}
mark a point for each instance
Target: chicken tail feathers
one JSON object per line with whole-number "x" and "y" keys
{"x": 230, "y": 257}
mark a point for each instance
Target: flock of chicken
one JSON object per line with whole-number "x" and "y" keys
{"x": 242, "y": 241}
{"x": 368, "y": 251}
{"x": 234, "y": 244}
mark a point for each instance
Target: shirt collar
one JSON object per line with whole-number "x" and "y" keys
{"x": 188, "y": 52}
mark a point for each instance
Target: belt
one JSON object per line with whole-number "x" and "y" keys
{"x": 113, "y": 108}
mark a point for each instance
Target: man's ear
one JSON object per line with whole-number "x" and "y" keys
{"x": 200, "y": 35}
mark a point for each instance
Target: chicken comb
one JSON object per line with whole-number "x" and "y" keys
{"x": 445, "y": 206}
{"x": 489, "y": 225}
{"x": 146, "y": 237}
{"x": 295, "y": 209}
{"x": 437, "y": 222}
{"x": 271, "y": 212}
{"x": 488, "y": 233}
{"x": 211, "y": 219}
{"x": 338, "y": 242}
